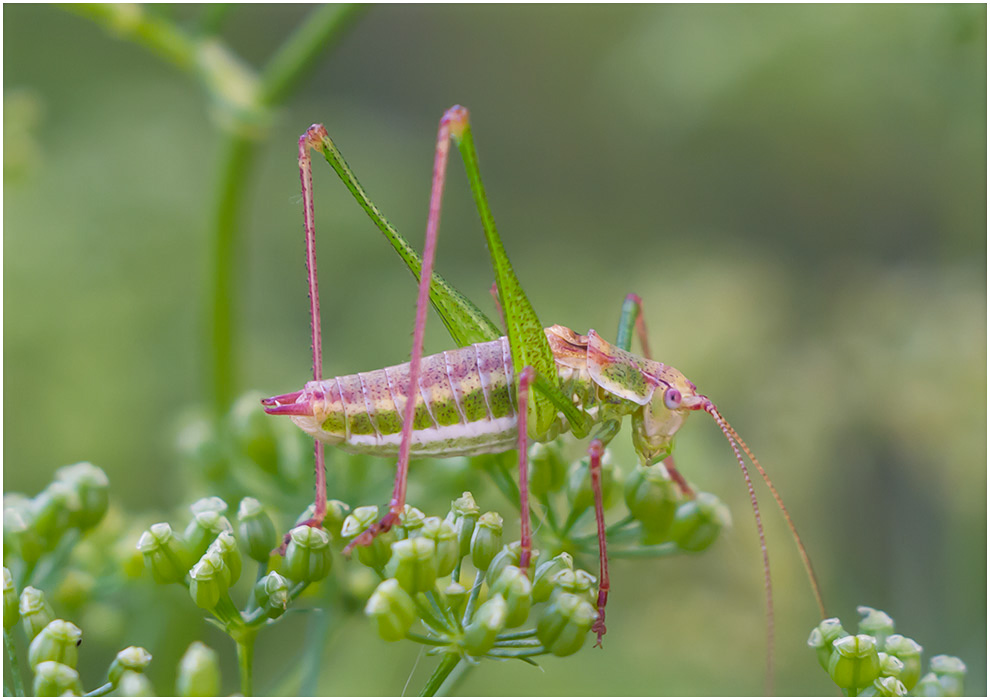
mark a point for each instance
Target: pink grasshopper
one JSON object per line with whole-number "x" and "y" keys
{"x": 474, "y": 400}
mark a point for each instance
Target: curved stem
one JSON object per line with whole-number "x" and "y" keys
{"x": 449, "y": 662}
{"x": 100, "y": 692}
{"x": 322, "y": 30}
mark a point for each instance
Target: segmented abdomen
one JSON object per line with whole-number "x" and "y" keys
{"x": 465, "y": 405}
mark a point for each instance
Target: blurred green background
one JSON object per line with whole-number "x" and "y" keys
{"x": 798, "y": 194}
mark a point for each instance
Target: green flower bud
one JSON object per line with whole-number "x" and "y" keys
{"x": 134, "y": 685}
{"x": 209, "y": 503}
{"x": 337, "y": 512}
{"x": 256, "y": 530}
{"x": 52, "y": 680}
{"x": 463, "y": 515}
{"x": 18, "y": 535}
{"x": 392, "y": 609}
{"x": 545, "y": 573}
{"x": 855, "y": 663}
{"x": 204, "y": 528}
{"x": 226, "y": 546}
{"x": 509, "y": 555}
{"x": 11, "y": 603}
{"x": 885, "y": 687}
{"x": 208, "y": 581}
{"x": 875, "y": 623}
{"x": 929, "y": 687}
{"x": 822, "y": 637}
{"x": 444, "y": 537}
{"x": 579, "y": 582}
{"x": 129, "y": 659}
{"x": 909, "y": 652}
{"x": 376, "y": 554}
{"x": 652, "y": 497}
{"x": 271, "y": 592}
{"x": 488, "y": 620}
{"x": 59, "y": 641}
{"x": 547, "y": 469}
{"x": 456, "y": 596}
{"x": 410, "y": 521}
{"x": 951, "y": 672}
{"x": 486, "y": 540}
{"x": 579, "y": 491}
{"x": 199, "y": 672}
{"x": 35, "y": 611}
{"x": 51, "y": 511}
{"x": 414, "y": 564}
{"x": 92, "y": 490}
{"x": 513, "y": 585}
{"x": 307, "y": 557}
{"x": 166, "y": 556}
{"x": 890, "y": 665}
{"x": 697, "y": 523}
{"x": 565, "y": 624}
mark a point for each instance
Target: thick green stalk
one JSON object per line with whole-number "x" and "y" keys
{"x": 245, "y": 657}
{"x": 236, "y": 156}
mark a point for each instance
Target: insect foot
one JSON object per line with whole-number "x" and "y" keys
{"x": 877, "y": 662}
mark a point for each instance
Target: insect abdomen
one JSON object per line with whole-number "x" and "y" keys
{"x": 464, "y": 405}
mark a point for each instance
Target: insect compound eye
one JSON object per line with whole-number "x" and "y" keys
{"x": 672, "y": 398}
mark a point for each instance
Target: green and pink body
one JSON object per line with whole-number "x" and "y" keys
{"x": 465, "y": 401}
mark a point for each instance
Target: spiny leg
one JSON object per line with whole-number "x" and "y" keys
{"x": 426, "y": 275}
{"x": 595, "y": 450}
{"x": 311, "y": 139}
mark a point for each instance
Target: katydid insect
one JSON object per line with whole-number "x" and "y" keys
{"x": 495, "y": 391}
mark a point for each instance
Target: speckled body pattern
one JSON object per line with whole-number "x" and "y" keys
{"x": 466, "y": 402}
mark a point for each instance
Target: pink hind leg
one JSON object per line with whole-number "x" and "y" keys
{"x": 312, "y": 139}
{"x": 422, "y": 302}
{"x": 595, "y": 451}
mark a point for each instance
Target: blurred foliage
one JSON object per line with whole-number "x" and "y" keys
{"x": 797, "y": 193}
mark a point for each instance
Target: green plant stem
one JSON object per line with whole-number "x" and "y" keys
{"x": 155, "y": 33}
{"x": 245, "y": 657}
{"x": 454, "y": 679}
{"x": 15, "y": 669}
{"x": 99, "y": 692}
{"x": 522, "y": 634}
{"x": 449, "y": 662}
{"x": 472, "y": 598}
{"x": 236, "y": 157}
{"x": 322, "y": 30}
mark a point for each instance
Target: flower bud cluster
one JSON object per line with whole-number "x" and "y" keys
{"x": 77, "y": 499}
{"x": 878, "y": 662}
{"x": 426, "y": 593}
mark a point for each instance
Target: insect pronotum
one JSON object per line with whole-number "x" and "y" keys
{"x": 495, "y": 391}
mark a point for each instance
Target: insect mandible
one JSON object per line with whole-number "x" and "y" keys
{"x": 496, "y": 391}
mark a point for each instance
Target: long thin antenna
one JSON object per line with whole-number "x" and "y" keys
{"x": 790, "y": 523}
{"x": 729, "y": 435}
